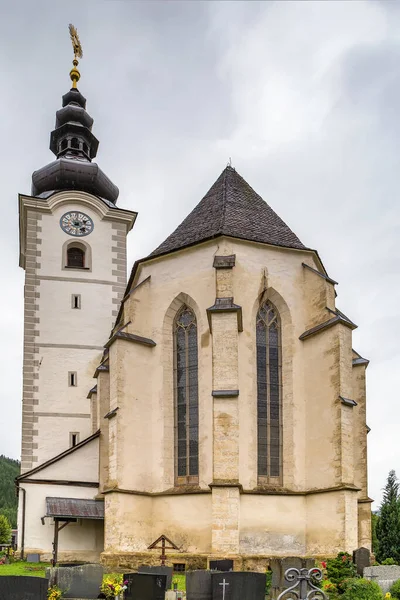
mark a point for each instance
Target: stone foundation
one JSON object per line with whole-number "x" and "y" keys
{"x": 123, "y": 561}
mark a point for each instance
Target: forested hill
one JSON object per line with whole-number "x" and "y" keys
{"x": 9, "y": 469}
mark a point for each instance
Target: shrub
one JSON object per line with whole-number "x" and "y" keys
{"x": 268, "y": 582}
{"x": 395, "y": 589}
{"x": 329, "y": 588}
{"x": 340, "y": 569}
{"x": 362, "y": 589}
{"x": 389, "y": 561}
{"x": 5, "y": 530}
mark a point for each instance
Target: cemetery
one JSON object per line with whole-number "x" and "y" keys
{"x": 289, "y": 578}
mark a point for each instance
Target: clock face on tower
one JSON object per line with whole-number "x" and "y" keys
{"x": 76, "y": 223}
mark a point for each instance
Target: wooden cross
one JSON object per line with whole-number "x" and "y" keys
{"x": 162, "y": 540}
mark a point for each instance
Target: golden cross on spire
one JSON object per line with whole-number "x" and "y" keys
{"x": 76, "y": 44}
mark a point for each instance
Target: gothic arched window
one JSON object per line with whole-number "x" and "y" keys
{"x": 75, "y": 257}
{"x": 269, "y": 394}
{"x": 186, "y": 397}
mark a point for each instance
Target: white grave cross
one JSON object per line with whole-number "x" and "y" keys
{"x": 224, "y": 584}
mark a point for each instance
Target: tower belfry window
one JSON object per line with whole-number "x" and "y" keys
{"x": 75, "y": 257}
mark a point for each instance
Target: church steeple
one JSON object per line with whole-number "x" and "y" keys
{"x": 74, "y": 145}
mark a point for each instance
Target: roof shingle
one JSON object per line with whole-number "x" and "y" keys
{"x": 231, "y": 207}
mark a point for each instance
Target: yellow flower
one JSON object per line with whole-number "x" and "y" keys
{"x": 388, "y": 595}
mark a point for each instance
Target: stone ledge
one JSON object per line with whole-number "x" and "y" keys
{"x": 225, "y": 393}
{"x": 348, "y": 401}
{"x": 225, "y": 305}
{"x": 224, "y": 262}
{"x": 130, "y": 337}
{"x": 326, "y": 325}
{"x": 326, "y": 277}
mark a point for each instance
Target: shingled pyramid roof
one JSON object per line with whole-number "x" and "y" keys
{"x": 232, "y": 208}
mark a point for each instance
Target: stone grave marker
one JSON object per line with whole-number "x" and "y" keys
{"x": 83, "y": 581}
{"x": 384, "y": 575}
{"x": 145, "y": 586}
{"x": 34, "y": 558}
{"x": 198, "y": 585}
{"x": 238, "y": 585}
{"x": 362, "y": 559}
{"x": 224, "y": 565}
{"x": 279, "y": 566}
{"x": 14, "y": 587}
{"x": 158, "y": 570}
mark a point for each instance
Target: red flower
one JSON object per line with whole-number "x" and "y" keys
{"x": 323, "y": 564}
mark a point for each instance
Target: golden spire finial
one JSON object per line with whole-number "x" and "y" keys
{"x": 76, "y": 44}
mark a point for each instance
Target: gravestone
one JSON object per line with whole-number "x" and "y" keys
{"x": 362, "y": 559}
{"x": 279, "y": 566}
{"x": 238, "y": 585}
{"x": 198, "y": 585}
{"x": 384, "y": 575}
{"x": 34, "y": 558}
{"x": 83, "y": 581}
{"x": 224, "y": 565}
{"x": 158, "y": 570}
{"x": 14, "y": 587}
{"x": 145, "y": 586}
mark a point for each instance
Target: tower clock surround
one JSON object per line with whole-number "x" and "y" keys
{"x": 76, "y": 223}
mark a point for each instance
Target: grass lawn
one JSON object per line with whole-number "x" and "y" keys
{"x": 180, "y": 580}
{"x": 24, "y": 568}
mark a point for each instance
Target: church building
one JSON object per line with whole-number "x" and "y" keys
{"x": 214, "y": 398}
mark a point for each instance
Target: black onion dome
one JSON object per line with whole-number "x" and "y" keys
{"x": 75, "y": 146}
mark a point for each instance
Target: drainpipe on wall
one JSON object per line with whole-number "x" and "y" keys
{"x": 22, "y": 545}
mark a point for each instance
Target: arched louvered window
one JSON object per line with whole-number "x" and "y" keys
{"x": 75, "y": 257}
{"x": 269, "y": 394}
{"x": 186, "y": 397}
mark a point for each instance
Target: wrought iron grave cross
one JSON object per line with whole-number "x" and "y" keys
{"x": 304, "y": 585}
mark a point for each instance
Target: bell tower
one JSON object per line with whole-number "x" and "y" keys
{"x": 73, "y": 251}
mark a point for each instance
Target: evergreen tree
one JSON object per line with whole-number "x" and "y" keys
{"x": 5, "y": 530}
{"x": 9, "y": 469}
{"x": 374, "y": 523}
{"x": 388, "y": 526}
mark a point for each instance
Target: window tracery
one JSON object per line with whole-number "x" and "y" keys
{"x": 269, "y": 394}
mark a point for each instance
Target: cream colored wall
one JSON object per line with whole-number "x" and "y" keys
{"x": 257, "y": 268}
{"x": 273, "y": 525}
{"x": 80, "y": 465}
{"x": 59, "y": 338}
{"x": 317, "y": 428}
{"x": 99, "y": 240}
{"x": 186, "y": 520}
{"x": 61, "y": 324}
{"x": 62, "y": 409}
{"x": 331, "y": 523}
{"x": 55, "y": 432}
{"x": 84, "y": 539}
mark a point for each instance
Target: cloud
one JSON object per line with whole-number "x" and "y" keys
{"x": 303, "y": 96}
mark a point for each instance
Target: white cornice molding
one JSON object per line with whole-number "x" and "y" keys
{"x": 50, "y": 204}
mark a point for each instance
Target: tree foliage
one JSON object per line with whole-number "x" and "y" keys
{"x": 9, "y": 469}
{"x": 388, "y": 525}
{"x": 5, "y": 530}
{"x": 375, "y": 542}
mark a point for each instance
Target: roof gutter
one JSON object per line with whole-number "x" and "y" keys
{"x": 23, "y": 516}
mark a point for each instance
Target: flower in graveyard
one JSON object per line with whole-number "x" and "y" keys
{"x": 323, "y": 563}
{"x": 388, "y": 595}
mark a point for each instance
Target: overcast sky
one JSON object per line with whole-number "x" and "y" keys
{"x": 303, "y": 96}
